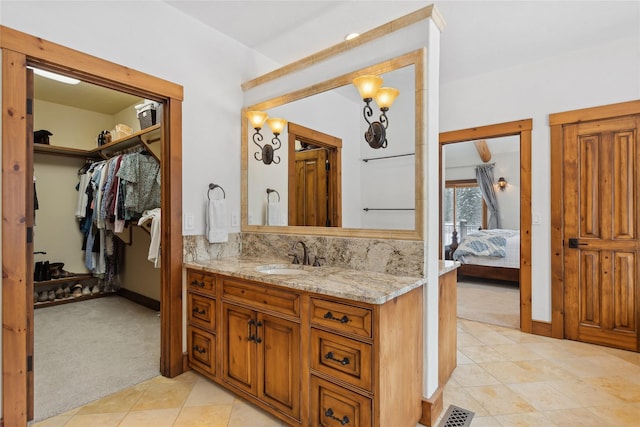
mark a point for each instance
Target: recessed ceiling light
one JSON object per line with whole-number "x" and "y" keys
{"x": 351, "y": 36}
{"x": 56, "y": 77}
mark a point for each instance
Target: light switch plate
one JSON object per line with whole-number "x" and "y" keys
{"x": 235, "y": 219}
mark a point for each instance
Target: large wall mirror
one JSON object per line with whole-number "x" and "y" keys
{"x": 324, "y": 178}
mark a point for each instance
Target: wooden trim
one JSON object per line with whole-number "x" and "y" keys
{"x": 143, "y": 300}
{"x": 539, "y": 327}
{"x": 495, "y": 131}
{"x": 52, "y": 56}
{"x": 14, "y": 239}
{"x": 557, "y": 233}
{"x": 381, "y": 31}
{"x": 432, "y": 407}
{"x": 523, "y": 129}
{"x": 185, "y": 363}
{"x": 415, "y": 58}
{"x": 595, "y": 113}
{"x": 20, "y": 49}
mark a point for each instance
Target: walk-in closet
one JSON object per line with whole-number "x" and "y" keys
{"x": 97, "y": 158}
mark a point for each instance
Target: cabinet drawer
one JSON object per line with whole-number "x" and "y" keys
{"x": 201, "y": 346}
{"x": 333, "y": 406}
{"x": 341, "y": 317}
{"x": 261, "y": 296}
{"x": 342, "y": 358}
{"x": 204, "y": 282}
{"x": 201, "y": 311}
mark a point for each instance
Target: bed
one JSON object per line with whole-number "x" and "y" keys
{"x": 490, "y": 254}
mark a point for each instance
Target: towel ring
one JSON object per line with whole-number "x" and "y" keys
{"x": 213, "y": 187}
{"x": 271, "y": 190}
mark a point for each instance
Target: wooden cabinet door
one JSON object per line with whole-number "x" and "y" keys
{"x": 601, "y": 221}
{"x": 278, "y": 346}
{"x": 239, "y": 349}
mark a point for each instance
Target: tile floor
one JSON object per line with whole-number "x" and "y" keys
{"x": 506, "y": 377}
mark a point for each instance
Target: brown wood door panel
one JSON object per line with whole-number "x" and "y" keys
{"x": 311, "y": 188}
{"x": 601, "y": 186}
{"x": 239, "y": 355}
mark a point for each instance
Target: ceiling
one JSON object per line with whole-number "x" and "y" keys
{"x": 480, "y": 36}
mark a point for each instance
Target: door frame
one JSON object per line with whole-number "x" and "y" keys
{"x": 19, "y": 50}
{"x": 334, "y": 146}
{"x": 521, "y": 128}
{"x": 557, "y": 122}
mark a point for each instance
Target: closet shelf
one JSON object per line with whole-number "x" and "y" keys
{"x": 72, "y": 299}
{"x": 62, "y": 280}
{"x": 145, "y": 138}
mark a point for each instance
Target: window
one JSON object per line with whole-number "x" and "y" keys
{"x": 463, "y": 208}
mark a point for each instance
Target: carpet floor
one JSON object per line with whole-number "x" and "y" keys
{"x": 90, "y": 349}
{"x": 492, "y": 303}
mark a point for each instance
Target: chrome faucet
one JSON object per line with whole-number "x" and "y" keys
{"x": 305, "y": 254}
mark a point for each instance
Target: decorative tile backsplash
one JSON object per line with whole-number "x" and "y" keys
{"x": 398, "y": 257}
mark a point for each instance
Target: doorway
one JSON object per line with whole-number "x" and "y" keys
{"x": 18, "y": 51}
{"x": 315, "y": 177}
{"x": 522, "y": 130}
{"x": 595, "y": 158}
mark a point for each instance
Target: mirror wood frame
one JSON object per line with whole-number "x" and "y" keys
{"x": 415, "y": 58}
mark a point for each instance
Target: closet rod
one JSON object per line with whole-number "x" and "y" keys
{"x": 388, "y": 209}
{"x": 388, "y": 157}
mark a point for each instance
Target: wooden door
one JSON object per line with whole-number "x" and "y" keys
{"x": 310, "y": 198}
{"x": 279, "y": 363}
{"x": 601, "y": 201}
{"x": 239, "y": 352}
{"x": 30, "y": 220}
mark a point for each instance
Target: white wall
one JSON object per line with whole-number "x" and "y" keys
{"x": 589, "y": 77}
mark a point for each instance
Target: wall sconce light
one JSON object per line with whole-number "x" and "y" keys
{"x": 502, "y": 183}
{"x": 369, "y": 88}
{"x": 266, "y": 153}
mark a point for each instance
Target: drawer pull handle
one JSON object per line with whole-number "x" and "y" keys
{"x": 199, "y": 349}
{"x": 343, "y": 319}
{"x": 194, "y": 282}
{"x": 330, "y": 356}
{"x": 251, "y": 336}
{"x": 329, "y": 413}
{"x": 200, "y": 312}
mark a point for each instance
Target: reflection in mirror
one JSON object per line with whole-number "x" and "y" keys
{"x": 328, "y": 174}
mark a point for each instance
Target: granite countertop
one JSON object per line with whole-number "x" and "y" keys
{"x": 445, "y": 266}
{"x": 364, "y": 286}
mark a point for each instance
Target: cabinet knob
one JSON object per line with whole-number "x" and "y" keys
{"x": 199, "y": 349}
{"x": 200, "y": 312}
{"x": 329, "y": 315}
{"x": 329, "y": 414}
{"x": 194, "y": 282}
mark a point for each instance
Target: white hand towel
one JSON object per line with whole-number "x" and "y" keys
{"x": 274, "y": 213}
{"x": 217, "y": 231}
{"x": 153, "y": 215}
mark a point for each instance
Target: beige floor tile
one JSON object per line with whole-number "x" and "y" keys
{"x": 473, "y": 327}
{"x": 623, "y": 415}
{"x": 244, "y": 414}
{"x": 499, "y": 399}
{"x": 121, "y": 401}
{"x": 164, "y": 395}
{"x": 510, "y": 372}
{"x": 96, "y": 420}
{"x": 543, "y": 396}
{"x": 522, "y": 338}
{"x": 150, "y": 418}
{"x": 57, "y": 421}
{"x": 617, "y": 386}
{"x": 586, "y": 394}
{"x": 514, "y": 352}
{"x": 204, "y": 416}
{"x": 598, "y": 366}
{"x": 461, "y": 359}
{"x": 459, "y": 397}
{"x": 544, "y": 370}
{"x": 485, "y": 422}
{"x": 582, "y": 417}
{"x": 473, "y": 375}
{"x": 482, "y": 354}
{"x": 208, "y": 393}
{"x": 467, "y": 340}
{"x": 532, "y": 419}
{"x": 628, "y": 356}
{"x": 492, "y": 338}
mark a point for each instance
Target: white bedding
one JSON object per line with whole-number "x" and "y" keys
{"x": 510, "y": 260}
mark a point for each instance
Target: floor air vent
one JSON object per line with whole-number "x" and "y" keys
{"x": 456, "y": 417}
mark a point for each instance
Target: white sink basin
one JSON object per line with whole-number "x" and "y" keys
{"x": 288, "y": 269}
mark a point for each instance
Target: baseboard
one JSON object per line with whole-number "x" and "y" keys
{"x": 431, "y": 408}
{"x": 541, "y": 328}
{"x": 139, "y": 299}
{"x": 185, "y": 362}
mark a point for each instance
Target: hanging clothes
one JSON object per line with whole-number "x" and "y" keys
{"x": 141, "y": 174}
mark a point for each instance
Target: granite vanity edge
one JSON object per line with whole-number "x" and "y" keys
{"x": 354, "y": 285}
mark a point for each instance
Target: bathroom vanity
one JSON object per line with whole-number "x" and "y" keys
{"x": 315, "y": 346}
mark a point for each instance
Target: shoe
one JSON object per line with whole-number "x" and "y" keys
{"x": 52, "y": 295}
{"x": 59, "y": 293}
{"x": 44, "y": 296}
{"x": 66, "y": 291}
{"x": 86, "y": 291}
{"x": 77, "y": 290}
{"x": 35, "y": 297}
{"x": 37, "y": 272}
{"x": 95, "y": 290}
